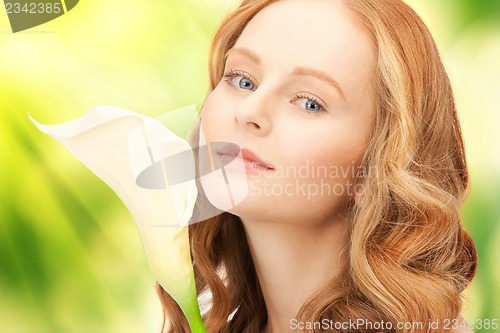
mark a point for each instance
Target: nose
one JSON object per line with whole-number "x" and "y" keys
{"x": 254, "y": 113}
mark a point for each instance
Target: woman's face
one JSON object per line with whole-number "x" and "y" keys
{"x": 297, "y": 92}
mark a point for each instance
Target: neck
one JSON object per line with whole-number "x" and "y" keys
{"x": 292, "y": 262}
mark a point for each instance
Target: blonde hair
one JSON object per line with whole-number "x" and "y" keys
{"x": 409, "y": 258}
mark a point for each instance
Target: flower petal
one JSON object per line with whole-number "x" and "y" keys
{"x": 119, "y": 146}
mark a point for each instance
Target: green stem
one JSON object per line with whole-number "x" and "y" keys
{"x": 192, "y": 312}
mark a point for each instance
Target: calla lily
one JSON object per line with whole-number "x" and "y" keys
{"x": 128, "y": 151}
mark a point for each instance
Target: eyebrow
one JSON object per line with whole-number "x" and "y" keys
{"x": 246, "y": 52}
{"x": 300, "y": 71}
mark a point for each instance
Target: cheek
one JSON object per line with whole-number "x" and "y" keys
{"x": 223, "y": 189}
{"x": 330, "y": 168}
{"x": 330, "y": 145}
{"x": 322, "y": 165}
{"x": 216, "y": 114}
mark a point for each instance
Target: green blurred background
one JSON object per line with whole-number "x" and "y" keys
{"x": 70, "y": 257}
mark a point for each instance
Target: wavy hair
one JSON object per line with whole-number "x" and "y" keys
{"x": 409, "y": 257}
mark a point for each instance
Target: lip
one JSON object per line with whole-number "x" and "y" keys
{"x": 253, "y": 163}
{"x": 250, "y": 156}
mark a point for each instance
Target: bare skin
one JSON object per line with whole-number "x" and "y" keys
{"x": 296, "y": 98}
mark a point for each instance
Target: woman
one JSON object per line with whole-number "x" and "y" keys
{"x": 354, "y": 93}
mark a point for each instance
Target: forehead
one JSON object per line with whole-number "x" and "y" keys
{"x": 318, "y": 34}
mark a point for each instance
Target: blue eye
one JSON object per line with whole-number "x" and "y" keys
{"x": 244, "y": 83}
{"x": 309, "y": 103}
{"x": 312, "y": 106}
{"x": 239, "y": 80}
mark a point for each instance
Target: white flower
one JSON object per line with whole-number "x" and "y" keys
{"x": 128, "y": 152}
